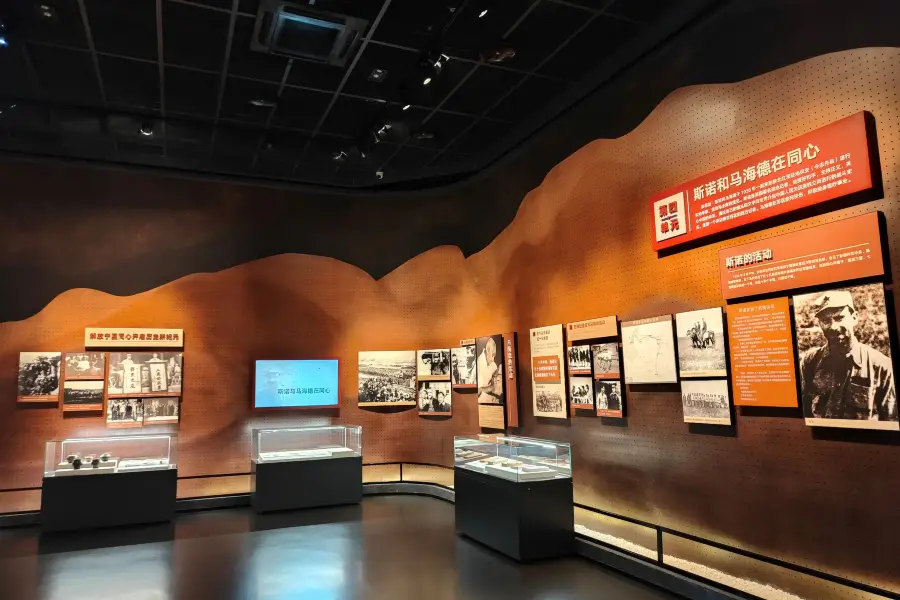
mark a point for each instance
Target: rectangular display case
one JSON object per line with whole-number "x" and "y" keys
{"x": 306, "y": 443}
{"x": 515, "y": 458}
{"x": 108, "y": 481}
{"x": 305, "y": 467}
{"x": 105, "y": 455}
{"x": 514, "y": 494}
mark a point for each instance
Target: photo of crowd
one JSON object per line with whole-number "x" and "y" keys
{"x": 161, "y": 410}
{"x": 84, "y": 365}
{"x": 128, "y": 412}
{"x": 549, "y": 401}
{"x": 387, "y": 378}
{"x": 83, "y": 395}
{"x": 39, "y": 376}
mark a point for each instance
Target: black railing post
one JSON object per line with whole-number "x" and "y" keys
{"x": 659, "y": 545}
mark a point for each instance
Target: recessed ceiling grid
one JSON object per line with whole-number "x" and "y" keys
{"x": 181, "y": 68}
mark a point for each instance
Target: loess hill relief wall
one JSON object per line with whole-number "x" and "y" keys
{"x": 578, "y": 248}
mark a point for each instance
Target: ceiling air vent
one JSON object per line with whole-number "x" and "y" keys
{"x": 292, "y": 30}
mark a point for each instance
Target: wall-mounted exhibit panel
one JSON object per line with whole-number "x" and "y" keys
{"x": 548, "y": 385}
{"x": 701, "y": 343}
{"x": 648, "y": 350}
{"x": 706, "y": 401}
{"x": 387, "y": 378}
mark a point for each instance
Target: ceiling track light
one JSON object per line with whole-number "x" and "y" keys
{"x": 427, "y": 81}
{"x": 484, "y": 12}
{"x": 260, "y": 103}
{"x": 406, "y": 107}
{"x": 147, "y": 129}
{"x": 339, "y": 156}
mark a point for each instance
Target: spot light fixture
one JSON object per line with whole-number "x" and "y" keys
{"x": 406, "y": 107}
{"x": 427, "y": 81}
{"x": 147, "y": 129}
{"x": 484, "y": 12}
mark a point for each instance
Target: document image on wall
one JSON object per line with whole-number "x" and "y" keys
{"x": 548, "y": 387}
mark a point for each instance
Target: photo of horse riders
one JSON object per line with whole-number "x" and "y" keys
{"x": 701, "y": 343}
{"x": 579, "y": 359}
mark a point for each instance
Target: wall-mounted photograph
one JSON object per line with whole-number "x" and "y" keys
{"x": 82, "y": 395}
{"x": 581, "y": 392}
{"x": 579, "y": 359}
{"x": 387, "y": 378}
{"x": 39, "y": 374}
{"x": 145, "y": 374}
{"x": 125, "y": 412}
{"x": 161, "y": 410}
{"x": 648, "y": 350}
{"x": 433, "y": 365}
{"x": 846, "y": 373}
{"x": 701, "y": 343}
{"x": 610, "y": 402}
{"x": 489, "y": 361}
{"x": 84, "y": 365}
{"x": 706, "y": 401}
{"x": 606, "y": 361}
{"x": 462, "y": 367}
{"x": 434, "y": 398}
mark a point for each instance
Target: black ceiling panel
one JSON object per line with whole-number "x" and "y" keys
{"x": 235, "y": 146}
{"x": 441, "y": 85}
{"x": 248, "y": 6}
{"x": 247, "y": 63}
{"x": 300, "y": 109}
{"x": 642, "y": 10}
{"x": 483, "y": 134}
{"x": 130, "y": 82}
{"x": 399, "y": 64}
{"x": 350, "y": 116}
{"x": 411, "y": 157}
{"x": 367, "y": 9}
{"x": 66, "y": 29}
{"x": 596, "y": 43}
{"x": 194, "y": 37}
{"x": 236, "y": 102}
{"x": 593, "y": 4}
{"x": 125, "y": 28}
{"x": 14, "y": 73}
{"x": 314, "y": 75}
{"x": 542, "y": 31}
{"x": 532, "y": 95}
{"x": 472, "y": 34}
{"x": 223, "y": 4}
{"x": 191, "y": 92}
{"x": 188, "y": 133}
{"x": 66, "y": 75}
{"x": 484, "y": 88}
{"x": 414, "y": 23}
{"x": 444, "y": 127}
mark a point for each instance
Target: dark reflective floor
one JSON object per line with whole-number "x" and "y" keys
{"x": 388, "y": 548}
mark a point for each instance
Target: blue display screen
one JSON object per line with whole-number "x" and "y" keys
{"x": 296, "y": 383}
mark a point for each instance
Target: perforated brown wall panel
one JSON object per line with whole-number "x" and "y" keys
{"x": 578, "y": 248}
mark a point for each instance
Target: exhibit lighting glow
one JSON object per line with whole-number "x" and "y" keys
{"x": 484, "y": 12}
{"x": 427, "y": 81}
{"x": 3, "y": 41}
{"x": 406, "y": 107}
{"x": 521, "y": 440}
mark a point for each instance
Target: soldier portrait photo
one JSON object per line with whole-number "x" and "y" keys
{"x": 846, "y": 373}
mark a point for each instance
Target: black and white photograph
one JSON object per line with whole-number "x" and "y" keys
{"x": 83, "y": 395}
{"x": 609, "y": 398}
{"x": 434, "y": 398}
{"x": 161, "y": 410}
{"x": 549, "y": 401}
{"x": 489, "y": 361}
{"x": 579, "y": 359}
{"x": 462, "y": 367}
{"x": 581, "y": 392}
{"x": 84, "y": 365}
{"x": 125, "y": 412}
{"x": 706, "y": 401}
{"x": 844, "y": 344}
{"x": 606, "y": 361}
{"x": 701, "y": 343}
{"x": 39, "y": 374}
{"x": 648, "y": 350}
{"x": 145, "y": 374}
{"x": 433, "y": 365}
{"x": 387, "y": 378}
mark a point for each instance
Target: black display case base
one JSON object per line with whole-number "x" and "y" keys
{"x": 91, "y": 501}
{"x": 291, "y": 485}
{"x": 526, "y": 521}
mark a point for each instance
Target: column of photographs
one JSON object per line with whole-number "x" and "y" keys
{"x": 433, "y": 374}
{"x": 705, "y": 394}
{"x": 581, "y": 385}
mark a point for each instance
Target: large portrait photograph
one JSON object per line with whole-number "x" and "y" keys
{"x": 39, "y": 376}
{"x": 82, "y": 395}
{"x": 489, "y": 369}
{"x": 610, "y": 402}
{"x": 701, "y": 343}
{"x": 139, "y": 374}
{"x": 606, "y": 361}
{"x": 579, "y": 359}
{"x": 706, "y": 402}
{"x": 387, "y": 378}
{"x": 434, "y": 398}
{"x": 846, "y": 372}
{"x": 462, "y": 367}
{"x": 581, "y": 392}
{"x": 433, "y": 365}
{"x": 84, "y": 365}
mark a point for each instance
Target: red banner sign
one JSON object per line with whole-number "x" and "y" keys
{"x": 839, "y": 251}
{"x": 825, "y": 164}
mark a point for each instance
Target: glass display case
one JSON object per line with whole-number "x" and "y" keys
{"x": 513, "y": 457}
{"x": 115, "y": 454}
{"x": 306, "y": 443}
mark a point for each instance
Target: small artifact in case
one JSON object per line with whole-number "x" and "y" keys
{"x": 104, "y": 455}
{"x": 514, "y": 458}
{"x": 306, "y": 443}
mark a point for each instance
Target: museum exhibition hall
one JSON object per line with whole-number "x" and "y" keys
{"x": 449, "y": 299}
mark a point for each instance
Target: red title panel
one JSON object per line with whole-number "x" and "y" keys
{"x": 825, "y": 164}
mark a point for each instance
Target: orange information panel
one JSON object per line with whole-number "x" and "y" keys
{"x": 546, "y": 369}
{"x": 602, "y": 327}
{"x": 828, "y": 163}
{"x": 762, "y": 354}
{"x": 839, "y": 251}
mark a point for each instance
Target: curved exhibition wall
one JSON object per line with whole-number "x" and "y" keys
{"x": 579, "y": 247}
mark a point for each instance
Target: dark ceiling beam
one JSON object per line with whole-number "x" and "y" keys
{"x": 162, "y": 73}
{"x": 224, "y": 74}
{"x": 268, "y": 125}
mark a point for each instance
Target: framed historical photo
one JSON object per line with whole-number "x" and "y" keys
{"x": 701, "y": 343}
{"x": 161, "y": 410}
{"x": 125, "y": 412}
{"x": 489, "y": 369}
{"x": 706, "y": 401}
{"x": 39, "y": 376}
{"x": 609, "y": 398}
{"x": 648, "y": 350}
{"x": 846, "y": 373}
{"x": 433, "y": 365}
{"x": 462, "y": 367}
{"x": 581, "y": 392}
{"x": 84, "y": 365}
{"x": 606, "y": 361}
{"x": 434, "y": 398}
{"x": 579, "y": 359}
{"x": 387, "y": 378}
{"x": 82, "y": 395}
{"x": 145, "y": 374}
